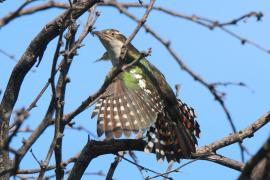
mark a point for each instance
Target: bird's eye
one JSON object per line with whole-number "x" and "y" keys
{"x": 112, "y": 33}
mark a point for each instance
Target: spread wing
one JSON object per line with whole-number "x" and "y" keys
{"x": 129, "y": 104}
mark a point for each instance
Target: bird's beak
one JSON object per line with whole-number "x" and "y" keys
{"x": 101, "y": 36}
{"x": 97, "y": 33}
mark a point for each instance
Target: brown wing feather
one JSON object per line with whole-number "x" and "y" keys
{"x": 126, "y": 110}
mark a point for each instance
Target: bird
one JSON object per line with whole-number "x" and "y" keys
{"x": 140, "y": 100}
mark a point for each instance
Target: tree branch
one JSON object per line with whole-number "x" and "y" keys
{"x": 94, "y": 149}
{"x": 35, "y": 50}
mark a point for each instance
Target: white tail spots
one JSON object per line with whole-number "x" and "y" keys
{"x": 101, "y": 115}
{"x": 118, "y": 124}
{"x": 128, "y": 105}
{"x": 102, "y": 108}
{"x": 115, "y": 109}
{"x": 160, "y": 160}
{"x": 114, "y": 101}
{"x": 109, "y": 116}
{"x": 171, "y": 162}
{"x": 110, "y": 123}
{"x": 124, "y": 116}
{"x": 116, "y": 117}
{"x": 121, "y": 153}
{"x": 108, "y": 108}
{"x": 131, "y": 113}
{"x": 192, "y": 113}
{"x": 100, "y": 122}
{"x": 162, "y": 153}
{"x": 162, "y": 142}
{"x": 127, "y": 124}
{"x": 120, "y": 100}
{"x": 152, "y": 135}
{"x": 146, "y": 150}
{"x": 135, "y": 122}
{"x": 151, "y": 145}
{"x": 122, "y": 108}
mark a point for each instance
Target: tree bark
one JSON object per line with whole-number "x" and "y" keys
{"x": 34, "y": 51}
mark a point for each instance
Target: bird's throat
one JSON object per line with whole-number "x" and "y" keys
{"x": 114, "y": 55}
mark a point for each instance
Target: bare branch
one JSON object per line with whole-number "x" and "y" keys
{"x": 96, "y": 148}
{"x": 10, "y": 56}
{"x": 174, "y": 170}
{"x": 14, "y": 14}
{"x": 33, "y": 171}
{"x": 21, "y": 115}
{"x": 236, "y": 137}
{"x": 113, "y": 167}
{"x": 208, "y": 23}
{"x": 136, "y": 30}
{"x": 35, "y": 50}
{"x": 261, "y": 159}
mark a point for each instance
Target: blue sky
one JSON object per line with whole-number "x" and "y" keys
{"x": 214, "y": 55}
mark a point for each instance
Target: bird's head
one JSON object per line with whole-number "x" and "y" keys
{"x": 113, "y": 41}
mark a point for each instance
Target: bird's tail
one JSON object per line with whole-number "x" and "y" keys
{"x": 173, "y": 138}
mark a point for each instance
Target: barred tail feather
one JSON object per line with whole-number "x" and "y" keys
{"x": 173, "y": 139}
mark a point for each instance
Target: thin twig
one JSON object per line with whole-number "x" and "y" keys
{"x": 143, "y": 167}
{"x": 51, "y": 167}
{"x": 21, "y": 115}
{"x": 34, "y": 102}
{"x": 136, "y": 30}
{"x": 208, "y": 23}
{"x": 10, "y": 56}
{"x": 15, "y": 13}
{"x": 57, "y": 134}
{"x": 174, "y": 170}
{"x": 31, "y": 151}
{"x": 113, "y": 167}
